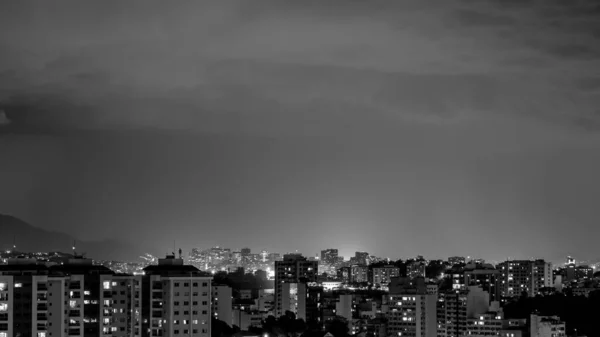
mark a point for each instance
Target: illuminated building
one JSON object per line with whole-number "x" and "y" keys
{"x": 412, "y": 311}
{"x": 485, "y": 276}
{"x": 383, "y": 275}
{"x": 359, "y": 273}
{"x": 295, "y": 283}
{"x": 415, "y": 269}
{"x": 73, "y": 299}
{"x": 361, "y": 258}
{"x": 344, "y": 274}
{"x": 454, "y": 260}
{"x": 547, "y": 326}
{"x": 329, "y": 256}
{"x": 519, "y": 276}
{"x": 457, "y": 306}
{"x": 485, "y": 324}
{"x": 176, "y": 300}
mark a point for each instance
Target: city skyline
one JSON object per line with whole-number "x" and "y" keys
{"x": 399, "y": 128}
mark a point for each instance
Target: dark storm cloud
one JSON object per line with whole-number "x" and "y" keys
{"x": 467, "y": 17}
{"x": 108, "y": 64}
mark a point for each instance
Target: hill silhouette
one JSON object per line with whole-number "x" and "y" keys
{"x": 32, "y": 239}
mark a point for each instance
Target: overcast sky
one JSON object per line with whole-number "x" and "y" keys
{"x": 397, "y": 127}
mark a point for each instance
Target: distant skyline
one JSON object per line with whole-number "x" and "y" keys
{"x": 400, "y": 128}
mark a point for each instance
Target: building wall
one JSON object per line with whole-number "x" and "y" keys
{"x": 544, "y": 326}
{"x": 56, "y": 309}
{"x": 187, "y": 303}
{"x": 6, "y": 306}
{"x": 221, "y": 298}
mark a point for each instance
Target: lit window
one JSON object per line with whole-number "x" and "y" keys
{"x": 106, "y": 284}
{"x": 3, "y": 307}
{"x": 3, "y": 286}
{"x": 18, "y": 285}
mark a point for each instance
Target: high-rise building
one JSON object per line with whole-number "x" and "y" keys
{"x": 329, "y": 256}
{"x": 383, "y": 275}
{"x": 294, "y": 286}
{"x": 221, "y": 303}
{"x": 412, "y": 311}
{"x": 415, "y": 269}
{"x": 176, "y": 300}
{"x": 72, "y": 299}
{"x": 519, "y": 276}
{"x": 361, "y": 258}
{"x": 455, "y": 307}
{"x": 359, "y": 273}
{"x": 485, "y": 276}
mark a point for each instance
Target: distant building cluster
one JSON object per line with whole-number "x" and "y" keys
{"x": 53, "y": 294}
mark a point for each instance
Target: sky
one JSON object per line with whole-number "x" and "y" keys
{"x": 402, "y": 128}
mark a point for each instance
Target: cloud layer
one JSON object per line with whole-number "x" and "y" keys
{"x": 282, "y": 65}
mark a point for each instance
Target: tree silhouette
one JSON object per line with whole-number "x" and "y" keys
{"x": 338, "y": 327}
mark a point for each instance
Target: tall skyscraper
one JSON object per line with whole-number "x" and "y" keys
{"x": 528, "y": 276}
{"x": 329, "y": 256}
{"x": 294, "y": 286}
{"x": 361, "y": 258}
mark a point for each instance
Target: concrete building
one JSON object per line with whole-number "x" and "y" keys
{"x": 295, "y": 286}
{"x": 359, "y": 273}
{"x": 485, "y": 324}
{"x": 383, "y": 275}
{"x": 76, "y": 298}
{"x": 485, "y": 276}
{"x": 547, "y": 326}
{"x": 415, "y": 269}
{"x": 344, "y": 306}
{"x": 412, "y": 311}
{"x": 177, "y": 300}
{"x": 454, "y": 260}
{"x": 266, "y": 301}
{"x": 221, "y": 303}
{"x": 361, "y": 258}
{"x": 519, "y": 276}
{"x": 245, "y": 319}
{"x": 457, "y": 306}
{"x": 329, "y": 256}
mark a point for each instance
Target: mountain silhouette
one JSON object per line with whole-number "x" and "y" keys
{"x": 32, "y": 239}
